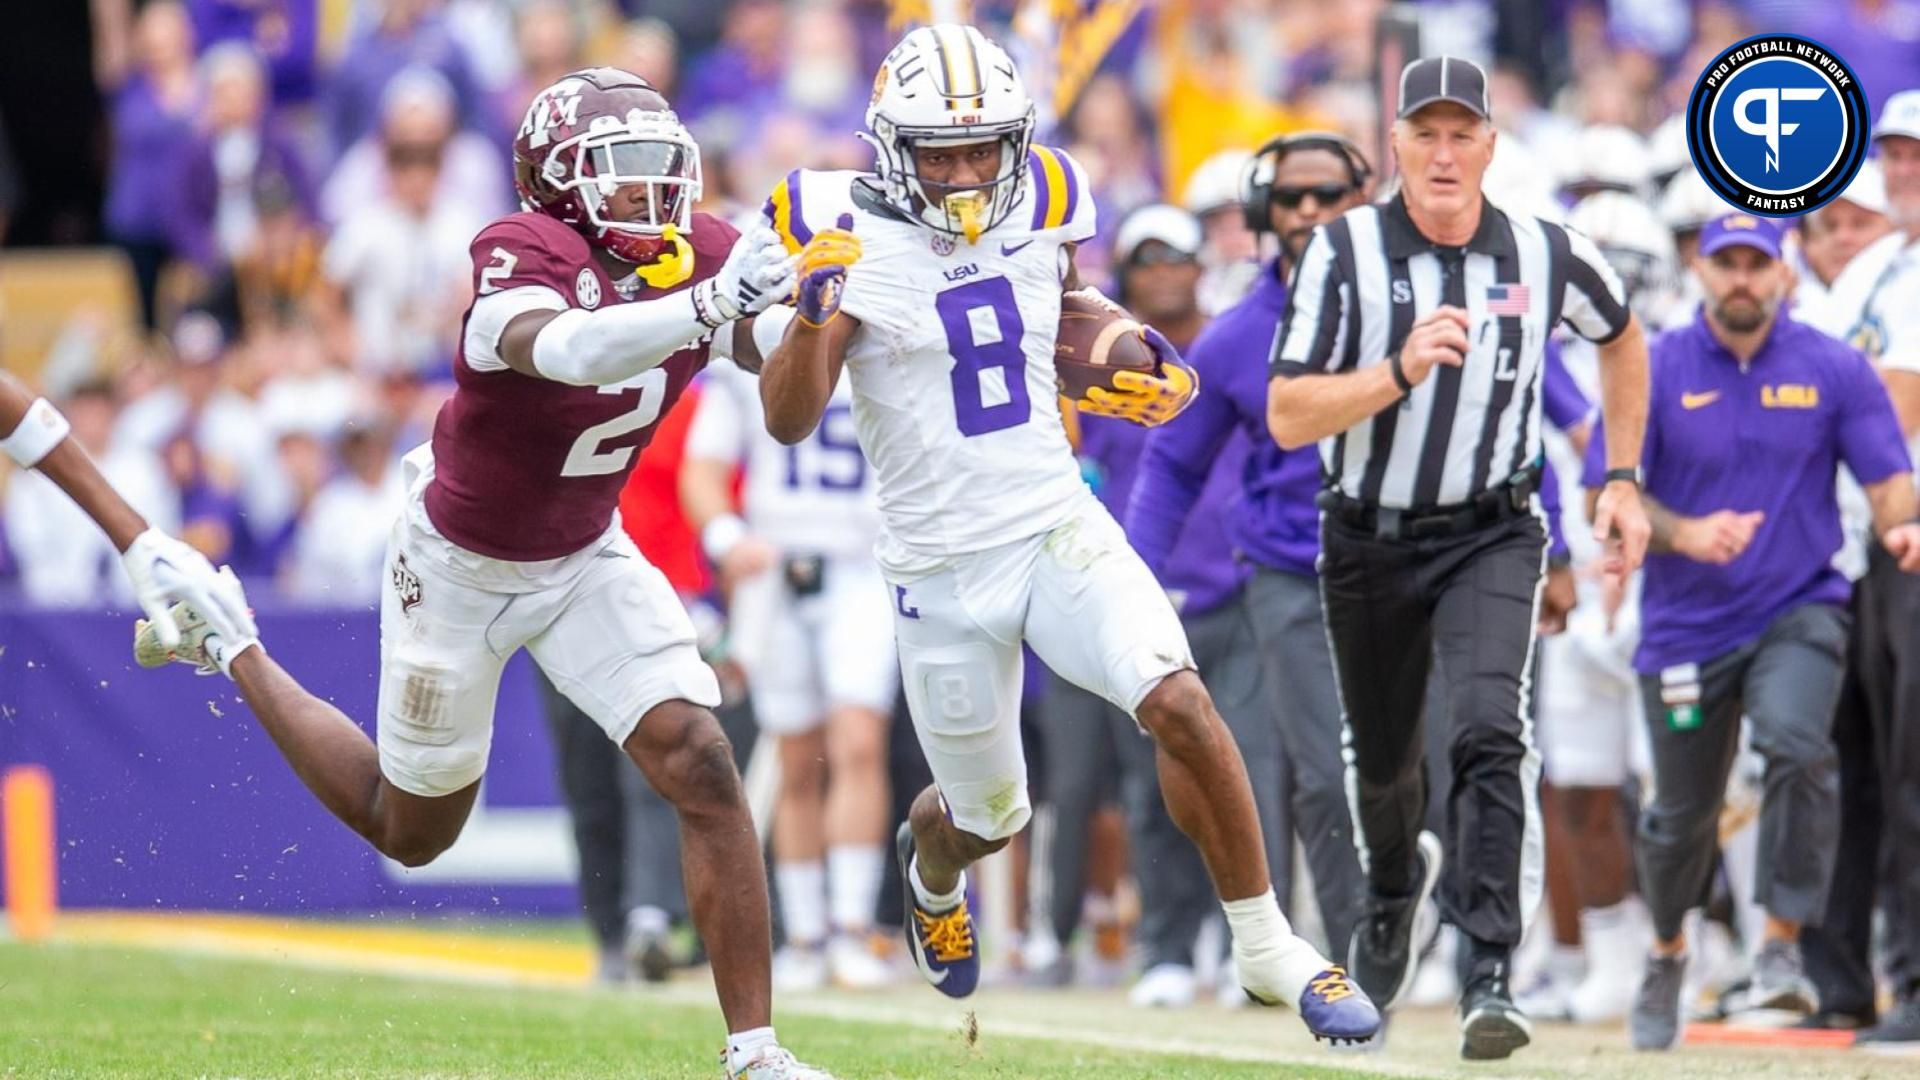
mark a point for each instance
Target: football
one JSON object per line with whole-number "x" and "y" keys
{"x": 1095, "y": 340}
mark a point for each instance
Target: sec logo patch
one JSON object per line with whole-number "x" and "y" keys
{"x": 1777, "y": 125}
{"x": 586, "y": 288}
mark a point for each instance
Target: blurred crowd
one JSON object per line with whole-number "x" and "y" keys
{"x": 294, "y": 184}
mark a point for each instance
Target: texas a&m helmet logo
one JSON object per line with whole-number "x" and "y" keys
{"x": 558, "y": 106}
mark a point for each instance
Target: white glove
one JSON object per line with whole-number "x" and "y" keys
{"x": 165, "y": 570}
{"x": 758, "y": 274}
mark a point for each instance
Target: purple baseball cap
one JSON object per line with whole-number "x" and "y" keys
{"x": 1729, "y": 230}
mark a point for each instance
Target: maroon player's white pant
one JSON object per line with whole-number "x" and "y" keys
{"x": 602, "y": 623}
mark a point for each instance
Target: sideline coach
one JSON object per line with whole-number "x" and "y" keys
{"x": 1412, "y": 351}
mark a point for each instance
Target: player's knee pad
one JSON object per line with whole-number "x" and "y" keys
{"x": 956, "y": 698}
{"x": 993, "y": 811}
{"x": 429, "y": 746}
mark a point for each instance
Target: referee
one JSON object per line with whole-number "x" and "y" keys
{"x": 1411, "y": 351}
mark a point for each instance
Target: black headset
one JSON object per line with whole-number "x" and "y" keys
{"x": 1257, "y": 194}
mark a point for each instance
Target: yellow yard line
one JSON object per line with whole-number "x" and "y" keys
{"x": 391, "y": 950}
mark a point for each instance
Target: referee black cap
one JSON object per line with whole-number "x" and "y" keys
{"x": 1434, "y": 79}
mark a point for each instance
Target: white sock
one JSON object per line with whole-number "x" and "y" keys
{"x": 853, "y": 884}
{"x": 1567, "y": 963}
{"x": 936, "y": 902}
{"x": 803, "y": 901}
{"x": 647, "y": 919}
{"x": 1273, "y": 961}
{"x": 744, "y": 1046}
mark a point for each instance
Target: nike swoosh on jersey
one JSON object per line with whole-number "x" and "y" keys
{"x": 1699, "y": 401}
{"x": 1008, "y": 249}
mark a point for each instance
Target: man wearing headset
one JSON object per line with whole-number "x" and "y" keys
{"x": 1292, "y": 184}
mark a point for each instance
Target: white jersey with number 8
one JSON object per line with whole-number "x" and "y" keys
{"x": 952, "y": 368}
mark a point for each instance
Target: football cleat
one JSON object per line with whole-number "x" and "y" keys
{"x": 942, "y": 942}
{"x": 202, "y": 649}
{"x": 1336, "y": 1010}
{"x": 1384, "y": 955}
{"x": 774, "y": 1063}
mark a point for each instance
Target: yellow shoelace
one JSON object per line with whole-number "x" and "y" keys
{"x": 1332, "y": 985}
{"x": 949, "y": 936}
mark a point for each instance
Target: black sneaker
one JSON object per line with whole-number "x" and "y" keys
{"x": 1491, "y": 1027}
{"x": 1381, "y": 957}
{"x": 1897, "y": 1033}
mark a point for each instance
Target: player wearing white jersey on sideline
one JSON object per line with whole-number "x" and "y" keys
{"x": 808, "y": 612}
{"x": 946, "y": 327}
{"x": 1590, "y": 724}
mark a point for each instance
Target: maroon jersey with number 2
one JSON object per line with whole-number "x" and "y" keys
{"x": 528, "y": 469}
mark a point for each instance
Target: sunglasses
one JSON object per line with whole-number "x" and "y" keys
{"x": 1290, "y": 198}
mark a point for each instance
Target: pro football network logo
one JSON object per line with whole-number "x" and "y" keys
{"x": 1777, "y": 125}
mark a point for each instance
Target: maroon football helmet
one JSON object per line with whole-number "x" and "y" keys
{"x": 593, "y": 133}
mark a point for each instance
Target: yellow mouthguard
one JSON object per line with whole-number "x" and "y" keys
{"x": 968, "y": 206}
{"x": 672, "y": 267}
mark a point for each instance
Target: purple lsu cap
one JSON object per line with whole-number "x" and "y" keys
{"x": 1729, "y": 230}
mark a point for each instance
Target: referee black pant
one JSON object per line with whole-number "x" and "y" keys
{"x": 1876, "y": 732}
{"x": 1395, "y": 607}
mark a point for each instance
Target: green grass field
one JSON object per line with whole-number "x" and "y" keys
{"x": 93, "y": 1011}
{"x": 144, "y": 995}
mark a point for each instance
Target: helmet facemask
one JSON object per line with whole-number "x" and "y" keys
{"x": 960, "y": 211}
{"x": 650, "y": 149}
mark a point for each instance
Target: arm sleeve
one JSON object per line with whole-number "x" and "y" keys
{"x": 1593, "y": 302}
{"x": 1871, "y": 444}
{"x": 1314, "y": 329}
{"x": 480, "y": 345}
{"x": 1175, "y": 463}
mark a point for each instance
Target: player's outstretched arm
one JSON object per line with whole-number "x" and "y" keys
{"x": 614, "y": 343}
{"x": 164, "y": 570}
{"x": 802, "y": 370}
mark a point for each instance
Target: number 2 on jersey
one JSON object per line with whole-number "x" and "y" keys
{"x": 587, "y": 458}
{"x": 983, "y": 334}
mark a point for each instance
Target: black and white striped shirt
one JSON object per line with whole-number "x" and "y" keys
{"x": 1363, "y": 281}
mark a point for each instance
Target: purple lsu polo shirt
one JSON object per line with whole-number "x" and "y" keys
{"x": 1765, "y": 435}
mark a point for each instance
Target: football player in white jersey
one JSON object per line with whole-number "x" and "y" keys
{"x": 810, "y": 626}
{"x": 1590, "y": 719}
{"x": 946, "y": 327}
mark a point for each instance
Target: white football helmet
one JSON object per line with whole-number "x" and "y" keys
{"x": 1636, "y": 244}
{"x": 1607, "y": 158}
{"x": 947, "y": 84}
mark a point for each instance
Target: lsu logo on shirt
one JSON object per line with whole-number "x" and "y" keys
{"x": 1790, "y": 396}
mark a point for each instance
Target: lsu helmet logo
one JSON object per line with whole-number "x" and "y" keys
{"x": 879, "y": 85}
{"x": 1777, "y": 125}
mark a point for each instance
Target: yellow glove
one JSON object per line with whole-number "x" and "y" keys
{"x": 822, "y": 270}
{"x": 1143, "y": 398}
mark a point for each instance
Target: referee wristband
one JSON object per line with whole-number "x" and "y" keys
{"x": 1399, "y": 374}
{"x": 39, "y": 432}
{"x": 721, "y": 535}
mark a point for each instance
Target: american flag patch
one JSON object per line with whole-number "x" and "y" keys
{"x": 1508, "y": 299}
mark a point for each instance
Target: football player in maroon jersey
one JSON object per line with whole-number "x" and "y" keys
{"x": 594, "y": 308}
